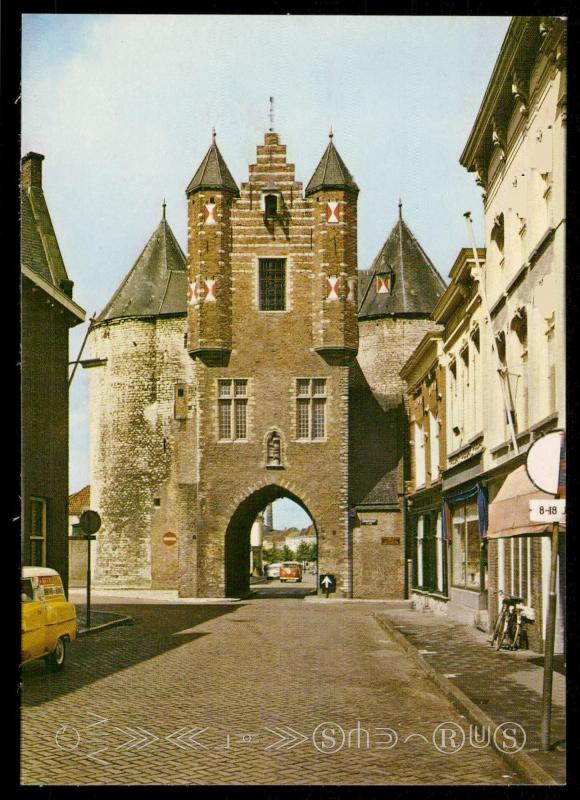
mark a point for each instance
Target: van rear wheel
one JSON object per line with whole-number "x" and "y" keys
{"x": 55, "y": 661}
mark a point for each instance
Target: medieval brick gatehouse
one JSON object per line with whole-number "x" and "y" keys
{"x": 250, "y": 371}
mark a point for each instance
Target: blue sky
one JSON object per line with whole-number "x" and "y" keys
{"x": 122, "y": 108}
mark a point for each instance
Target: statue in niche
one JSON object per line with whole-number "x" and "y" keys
{"x": 274, "y": 450}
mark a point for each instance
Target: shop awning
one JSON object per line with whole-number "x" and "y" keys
{"x": 509, "y": 514}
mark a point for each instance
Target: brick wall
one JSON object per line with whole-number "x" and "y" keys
{"x": 45, "y": 422}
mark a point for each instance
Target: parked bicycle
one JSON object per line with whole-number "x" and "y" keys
{"x": 510, "y": 627}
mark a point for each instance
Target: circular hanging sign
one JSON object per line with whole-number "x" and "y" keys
{"x": 543, "y": 462}
{"x": 90, "y": 521}
{"x": 169, "y": 538}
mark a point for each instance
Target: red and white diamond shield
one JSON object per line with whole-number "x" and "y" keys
{"x": 352, "y": 287}
{"x": 210, "y": 294}
{"x": 382, "y": 286}
{"x": 332, "y": 212}
{"x": 192, "y": 294}
{"x": 210, "y": 214}
{"x": 332, "y": 287}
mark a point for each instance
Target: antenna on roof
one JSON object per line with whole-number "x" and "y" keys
{"x": 271, "y": 114}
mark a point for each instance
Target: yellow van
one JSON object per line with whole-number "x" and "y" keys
{"x": 49, "y": 621}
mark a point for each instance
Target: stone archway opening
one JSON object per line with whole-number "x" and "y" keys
{"x": 241, "y": 557}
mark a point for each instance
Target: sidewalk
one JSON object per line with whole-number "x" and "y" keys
{"x": 504, "y": 686}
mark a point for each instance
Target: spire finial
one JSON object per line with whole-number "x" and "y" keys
{"x": 400, "y": 208}
{"x": 330, "y": 133}
{"x": 213, "y": 134}
{"x": 164, "y": 205}
{"x": 271, "y": 114}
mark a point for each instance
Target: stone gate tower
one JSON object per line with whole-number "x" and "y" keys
{"x": 272, "y": 328}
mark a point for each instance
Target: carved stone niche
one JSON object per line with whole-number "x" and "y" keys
{"x": 274, "y": 450}
{"x": 520, "y": 93}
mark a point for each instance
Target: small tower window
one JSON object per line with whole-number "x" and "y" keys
{"x": 270, "y": 206}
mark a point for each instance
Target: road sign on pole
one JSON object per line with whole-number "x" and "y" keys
{"x": 89, "y": 522}
{"x": 546, "y": 467}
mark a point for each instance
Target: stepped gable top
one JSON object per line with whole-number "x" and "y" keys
{"x": 331, "y": 173}
{"x": 213, "y": 173}
{"x": 157, "y": 283}
{"x": 415, "y": 286}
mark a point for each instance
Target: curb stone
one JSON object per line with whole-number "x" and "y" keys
{"x": 523, "y": 764}
{"x": 113, "y": 623}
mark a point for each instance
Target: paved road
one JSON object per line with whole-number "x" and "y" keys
{"x": 269, "y": 691}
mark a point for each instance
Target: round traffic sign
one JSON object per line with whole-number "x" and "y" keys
{"x": 169, "y": 538}
{"x": 90, "y": 521}
{"x": 543, "y": 462}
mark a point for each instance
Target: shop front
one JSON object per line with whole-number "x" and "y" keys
{"x": 464, "y": 517}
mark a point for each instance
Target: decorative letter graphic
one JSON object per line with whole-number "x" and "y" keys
{"x": 332, "y": 287}
{"x": 332, "y": 212}
{"x": 210, "y": 214}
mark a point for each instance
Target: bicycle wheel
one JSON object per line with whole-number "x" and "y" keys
{"x": 517, "y": 634}
{"x": 500, "y": 630}
{"x": 511, "y": 631}
{"x": 499, "y": 623}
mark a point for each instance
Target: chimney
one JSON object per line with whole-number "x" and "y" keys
{"x": 32, "y": 171}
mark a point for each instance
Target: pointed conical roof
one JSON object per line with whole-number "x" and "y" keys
{"x": 213, "y": 173}
{"x": 157, "y": 283}
{"x": 331, "y": 173}
{"x": 416, "y": 284}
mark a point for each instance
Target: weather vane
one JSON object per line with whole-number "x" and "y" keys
{"x": 271, "y": 114}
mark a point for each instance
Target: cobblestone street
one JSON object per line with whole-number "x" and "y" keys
{"x": 268, "y": 691}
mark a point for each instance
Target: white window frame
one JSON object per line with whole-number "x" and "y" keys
{"x": 313, "y": 398}
{"x": 434, "y": 451}
{"x": 419, "y": 446}
{"x": 42, "y": 537}
{"x": 234, "y": 400}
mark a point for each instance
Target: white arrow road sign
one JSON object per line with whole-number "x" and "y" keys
{"x": 140, "y": 738}
{"x": 187, "y": 737}
{"x": 288, "y": 738}
{"x": 93, "y": 756}
{"x": 326, "y": 581}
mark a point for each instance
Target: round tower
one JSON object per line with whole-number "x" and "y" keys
{"x": 210, "y": 195}
{"x": 139, "y": 402}
{"x": 334, "y": 194}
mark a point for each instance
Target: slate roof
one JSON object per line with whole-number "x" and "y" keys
{"x": 39, "y": 246}
{"x": 331, "y": 173}
{"x": 417, "y": 285}
{"x": 157, "y": 283}
{"x": 213, "y": 173}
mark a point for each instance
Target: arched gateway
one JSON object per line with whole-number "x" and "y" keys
{"x": 237, "y": 535}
